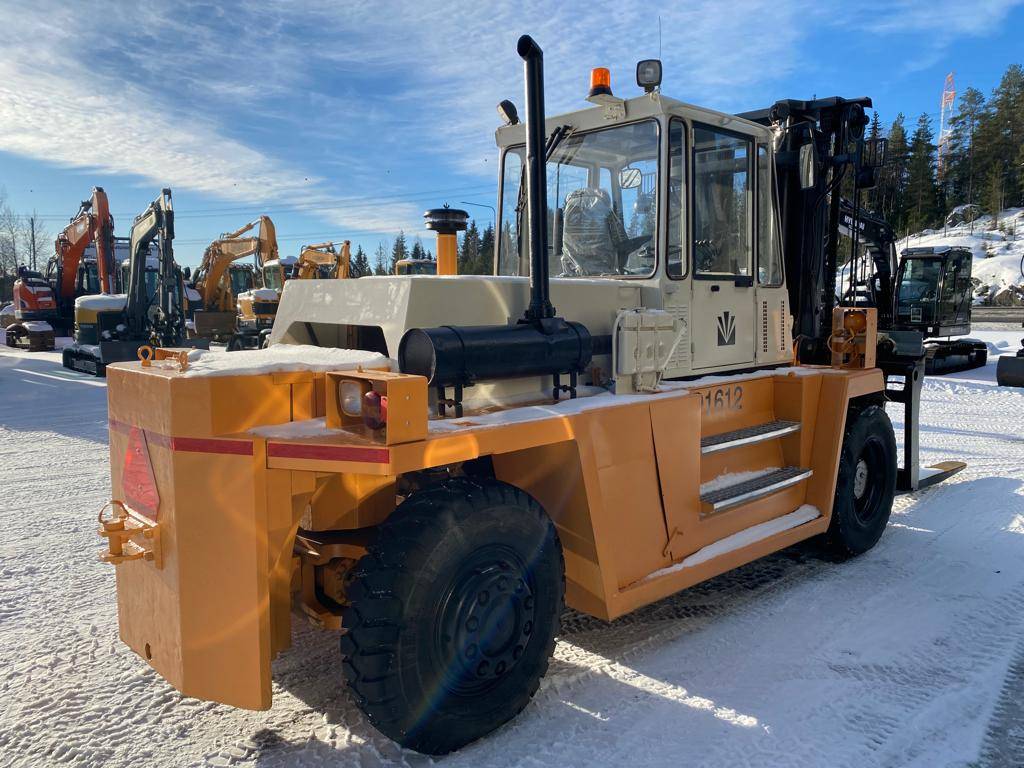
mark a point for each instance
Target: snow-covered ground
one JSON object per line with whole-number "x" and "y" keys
{"x": 911, "y": 655}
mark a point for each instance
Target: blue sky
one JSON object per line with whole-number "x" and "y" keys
{"x": 347, "y": 120}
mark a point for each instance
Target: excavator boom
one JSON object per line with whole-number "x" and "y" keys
{"x": 226, "y": 249}
{"x": 92, "y": 224}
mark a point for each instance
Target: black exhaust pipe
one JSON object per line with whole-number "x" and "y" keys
{"x": 540, "y": 344}
{"x": 536, "y": 179}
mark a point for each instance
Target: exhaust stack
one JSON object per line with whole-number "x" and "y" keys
{"x": 540, "y": 344}
{"x": 536, "y": 180}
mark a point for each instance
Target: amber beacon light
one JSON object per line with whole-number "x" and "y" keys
{"x": 600, "y": 82}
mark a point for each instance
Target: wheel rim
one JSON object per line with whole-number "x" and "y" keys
{"x": 486, "y": 621}
{"x": 868, "y": 477}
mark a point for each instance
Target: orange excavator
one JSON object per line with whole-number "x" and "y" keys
{"x": 44, "y": 306}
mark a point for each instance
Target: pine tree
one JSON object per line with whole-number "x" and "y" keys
{"x": 360, "y": 266}
{"x": 922, "y": 193}
{"x": 417, "y": 249}
{"x": 1001, "y": 135}
{"x": 399, "y": 250}
{"x": 960, "y": 175}
{"x": 892, "y": 188}
{"x": 469, "y": 251}
{"x": 487, "y": 251}
{"x": 381, "y": 260}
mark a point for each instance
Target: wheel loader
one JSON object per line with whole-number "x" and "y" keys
{"x": 655, "y": 386}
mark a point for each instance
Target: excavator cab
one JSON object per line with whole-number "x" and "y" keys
{"x": 933, "y": 291}
{"x": 933, "y": 297}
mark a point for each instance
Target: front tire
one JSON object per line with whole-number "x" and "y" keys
{"x": 453, "y": 614}
{"x": 866, "y": 484}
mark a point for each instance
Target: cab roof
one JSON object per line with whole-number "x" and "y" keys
{"x": 648, "y": 105}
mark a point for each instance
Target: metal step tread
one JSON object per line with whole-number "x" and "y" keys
{"x": 749, "y": 490}
{"x": 748, "y": 435}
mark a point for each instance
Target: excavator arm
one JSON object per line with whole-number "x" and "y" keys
{"x": 92, "y": 224}
{"x": 312, "y": 257}
{"x": 155, "y": 223}
{"x": 223, "y": 251}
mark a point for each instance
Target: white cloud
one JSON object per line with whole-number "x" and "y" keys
{"x": 195, "y": 96}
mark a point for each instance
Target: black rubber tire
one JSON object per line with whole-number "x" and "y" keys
{"x": 859, "y": 521}
{"x": 410, "y": 661}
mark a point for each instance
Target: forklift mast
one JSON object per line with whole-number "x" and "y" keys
{"x": 871, "y": 231}
{"x": 821, "y": 146}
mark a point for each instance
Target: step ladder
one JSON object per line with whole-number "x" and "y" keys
{"x": 744, "y": 491}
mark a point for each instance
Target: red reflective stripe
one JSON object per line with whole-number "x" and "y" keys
{"x": 328, "y": 452}
{"x": 211, "y": 445}
{"x": 189, "y": 444}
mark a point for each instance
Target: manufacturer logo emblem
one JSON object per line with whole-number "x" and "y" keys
{"x": 726, "y": 329}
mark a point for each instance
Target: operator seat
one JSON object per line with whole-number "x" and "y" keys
{"x": 592, "y": 233}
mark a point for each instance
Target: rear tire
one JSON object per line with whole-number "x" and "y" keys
{"x": 453, "y": 614}
{"x": 866, "y": 484}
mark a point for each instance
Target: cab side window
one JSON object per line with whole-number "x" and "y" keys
{"x": 722, "y": 204}
{"x": 769, "y": 252}
{"x": 676, "y": 261}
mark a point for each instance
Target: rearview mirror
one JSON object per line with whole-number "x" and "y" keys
{"x": 187, "y": 272}
{"x": 630, "y": 178}
{"x": 808, "y": 166}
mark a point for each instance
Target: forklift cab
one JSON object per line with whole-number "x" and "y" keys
{"x": 933, "y": 291}
{"x": 675, "y": 199}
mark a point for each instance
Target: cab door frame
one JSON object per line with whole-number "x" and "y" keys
{"x": 722, "y": 303}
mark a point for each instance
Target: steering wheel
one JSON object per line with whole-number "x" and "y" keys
{"x": 627, "y": 247}
{"x": 707, "y": 254}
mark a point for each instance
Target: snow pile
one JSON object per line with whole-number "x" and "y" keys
{"x": 998, "y": 247}
{"x": 102, "y": 302}
{"x": 259, "y": 294}
{"x": 282, "y": 358}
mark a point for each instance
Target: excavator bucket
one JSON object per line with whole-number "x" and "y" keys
{"x": 1010, "y": 370}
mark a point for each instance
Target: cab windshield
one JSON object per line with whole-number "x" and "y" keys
{"x": 602, "y": 205}
{"x": 241, "y": 280}
{"x": 917, "y": 291}
{"x": 272, "y": 278}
